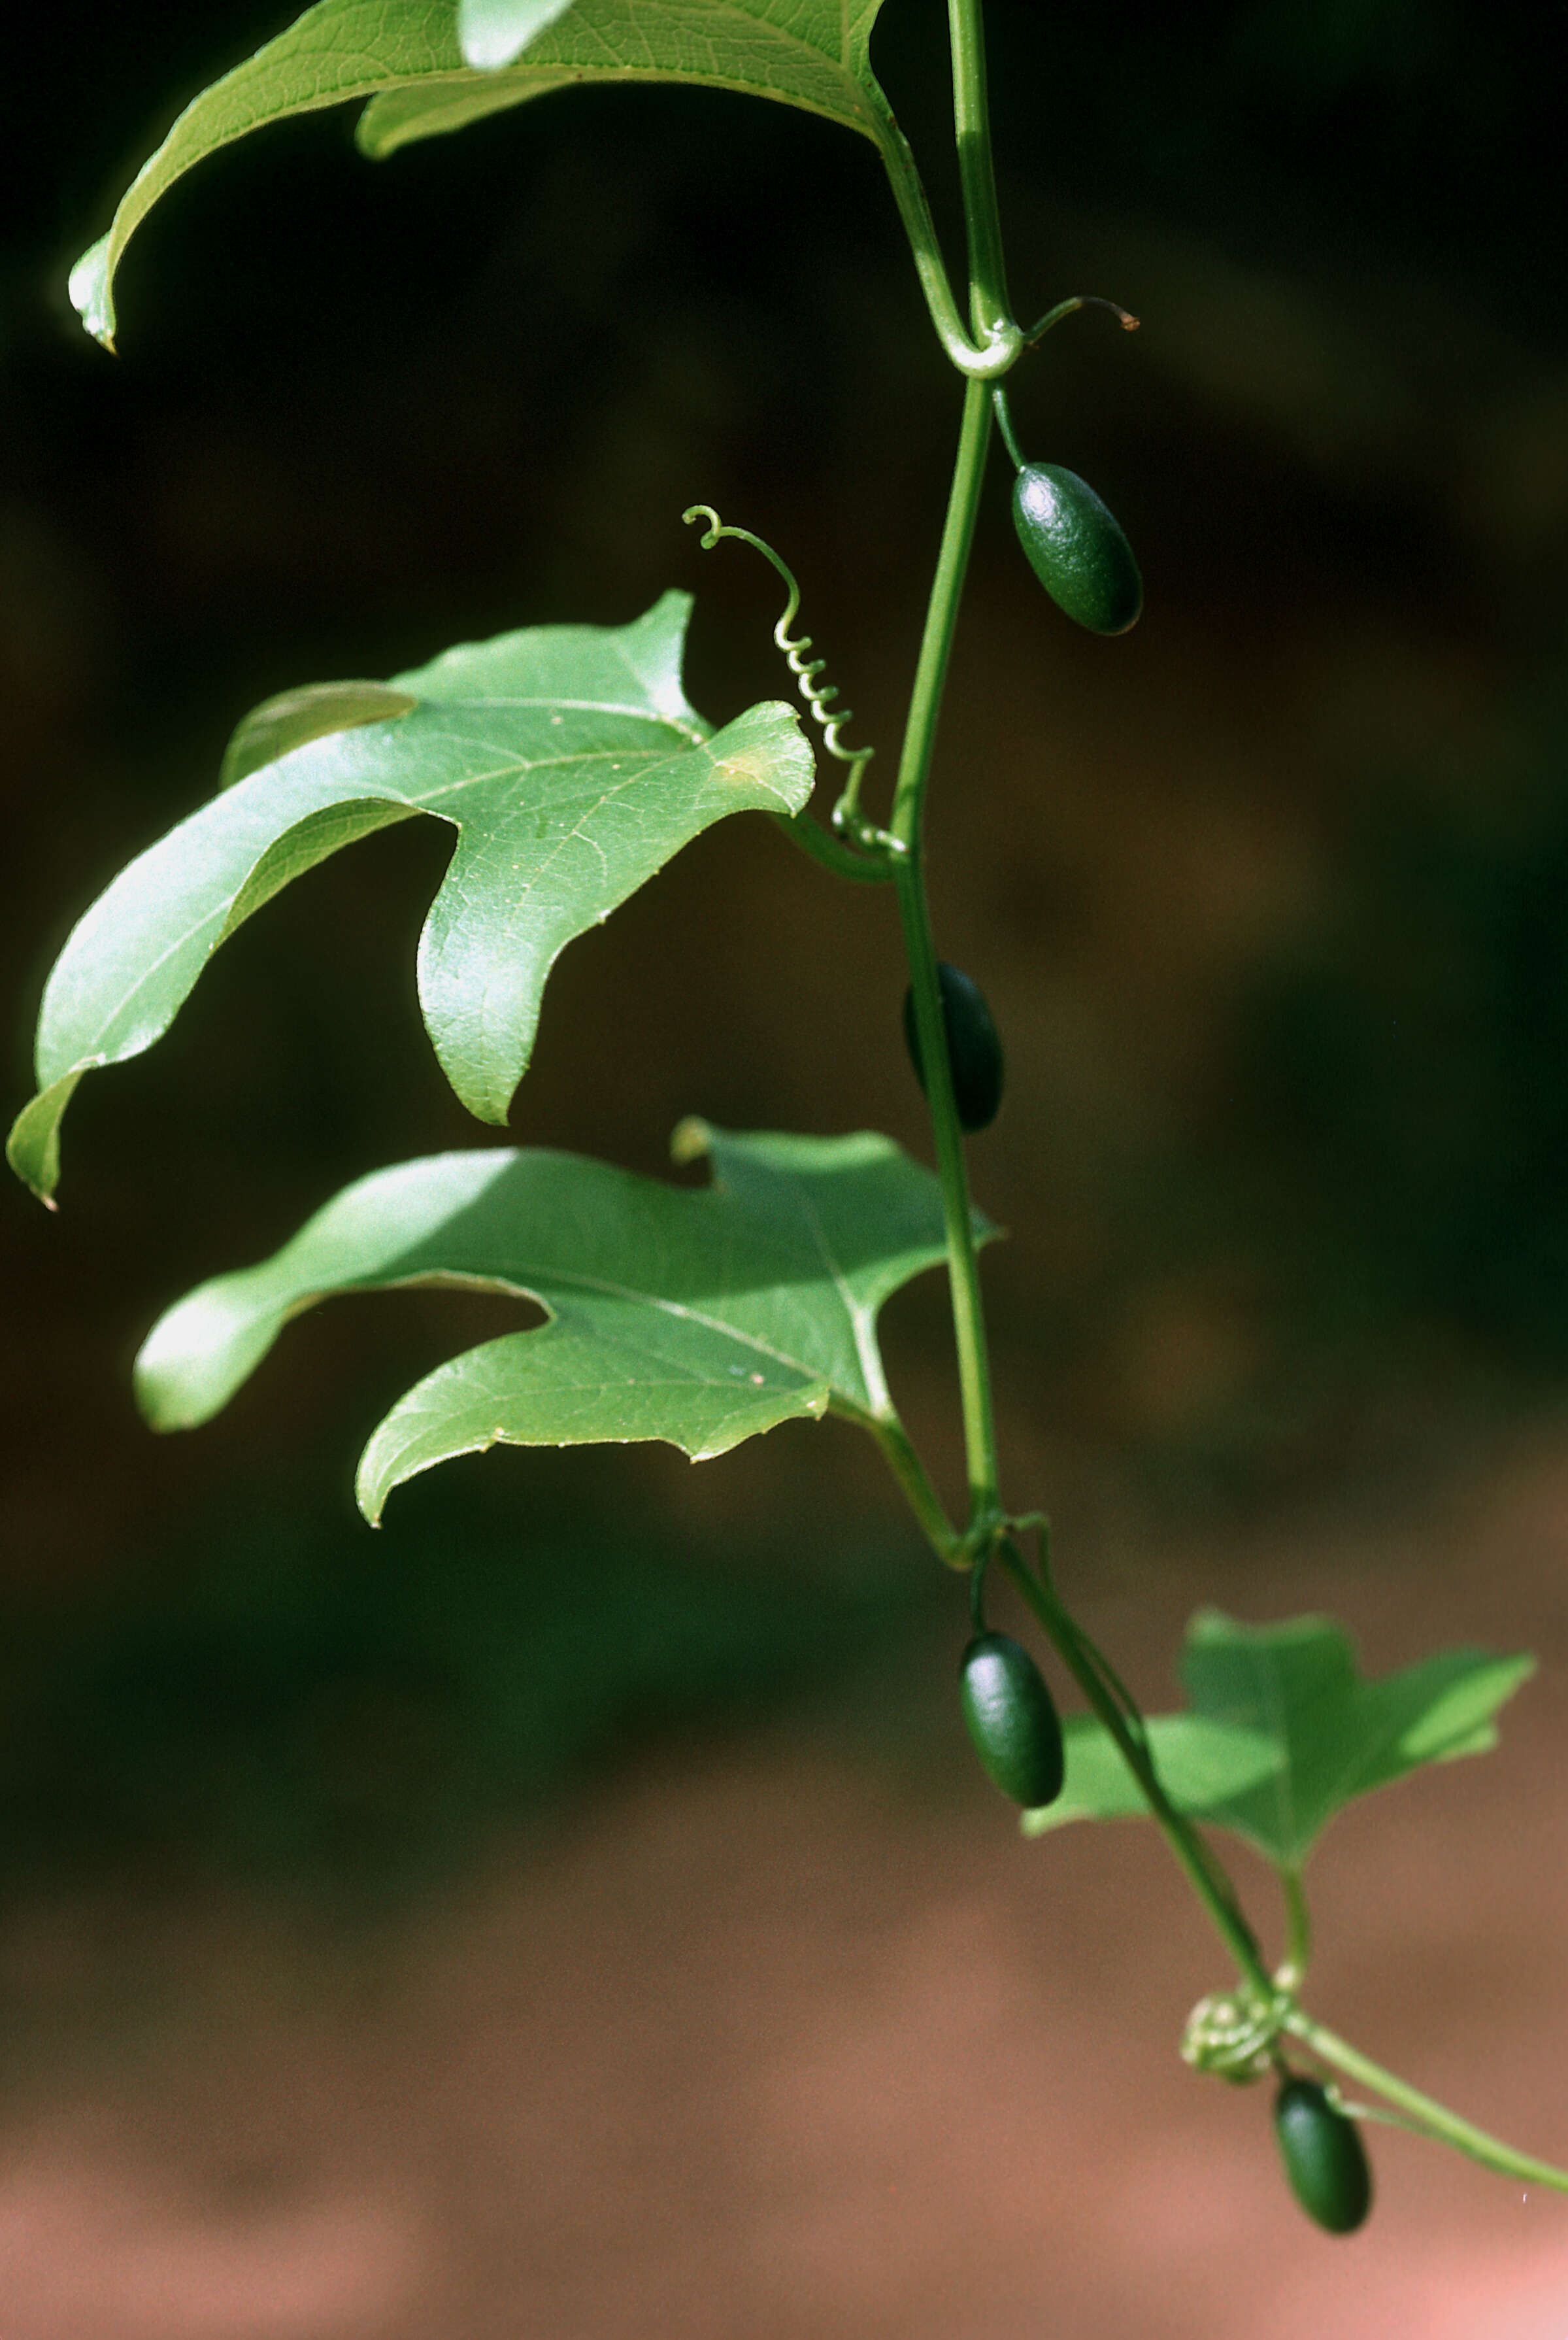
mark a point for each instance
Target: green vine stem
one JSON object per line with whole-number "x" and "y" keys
{"x": 982, "y": 359}
{"x": 901, "y": 1458}
{"x": 1421, "y": 2111}
{"x": 1204, "y": 1871}
{"x": 804, "y": 829}
{"x": 906, "y": 828}
{"x": 989, "y": 306}
{"x": 1000, "y": 341}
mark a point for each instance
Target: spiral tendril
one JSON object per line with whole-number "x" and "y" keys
{"x": 806, "y": 670}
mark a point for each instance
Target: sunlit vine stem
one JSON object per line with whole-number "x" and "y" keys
{"x": 1204, "y": 1872}
{"x": 988, "y": 302}
{"x": 906, "y": 825}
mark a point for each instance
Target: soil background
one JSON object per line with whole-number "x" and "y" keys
{"x": 574, "y": 1911}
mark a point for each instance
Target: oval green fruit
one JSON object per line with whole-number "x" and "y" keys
{"x": 1076, "y": 548}
{"x": 973, "y": 1048}
{"x": 1324, "y": 2157}
{"x": 1012, "y": 1720}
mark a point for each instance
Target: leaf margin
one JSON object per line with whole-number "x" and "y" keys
{"x": 87, "y": 1020}
{"x": 423, "y": 53}
{"x": 783, "y": 1263}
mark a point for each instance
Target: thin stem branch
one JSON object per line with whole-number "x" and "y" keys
{"x": 1204, "y": 1872}
{"x": 907, "y": 1468}
{"x": 983, "y": 359}
{"x": 1436, "y": 2119}
{"x": 1010, "y": 440}
{"x": 1076, "y": 301}
{"x": 808, "y": 834}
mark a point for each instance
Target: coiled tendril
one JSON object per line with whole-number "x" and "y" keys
{"x": 847, "y": 818}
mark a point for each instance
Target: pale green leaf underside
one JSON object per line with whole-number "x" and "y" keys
{"x": 1282, "y": 1731}
{"x": 405, "y": 57}
{"x": 700, "y": 1316}
{"x": 570, "y": 764}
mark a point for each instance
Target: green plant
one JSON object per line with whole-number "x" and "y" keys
{"x": 572, "y": 765}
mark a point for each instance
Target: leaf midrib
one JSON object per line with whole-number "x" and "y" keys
{"x": 861, "y": 1320}
{"x": 603, "y": 1287}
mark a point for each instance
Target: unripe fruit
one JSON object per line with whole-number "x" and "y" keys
{"x": 1324, "y": 2157}
{"x": 1076, "y": 548}
{"x": 1012, "y": 1720}
{"x": 973, "y": 1048}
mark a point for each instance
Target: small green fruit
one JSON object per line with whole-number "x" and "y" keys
{"x": 973, "y": 1048}
{"x": 1325, "y": 2158}
{"x": 1012, "y": 1720}
{"x": 1076, "y": 548}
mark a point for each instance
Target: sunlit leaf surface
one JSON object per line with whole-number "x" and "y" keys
{"x": 494, "y": 32}
{"x": 567, "y": 759}
{"x": 700, "y": 1316}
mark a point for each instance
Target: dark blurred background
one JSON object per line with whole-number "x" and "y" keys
{"x": 1267, "y": 896}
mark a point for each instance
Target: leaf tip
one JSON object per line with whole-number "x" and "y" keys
{"x": 373, "y": 1483}
{"x": 33, "y": 1150}
{"x": 88, "y": 289}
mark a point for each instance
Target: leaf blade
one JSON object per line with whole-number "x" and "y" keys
{"x": 426, "y": 68}
{"x": 1282, "y": 1730}
{"x": 336, "y": 52}
{"x": 570, "y": 764}
{"x": 699, "y": 1315}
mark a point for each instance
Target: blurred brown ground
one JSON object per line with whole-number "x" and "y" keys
{"x": 773, "y": 2043}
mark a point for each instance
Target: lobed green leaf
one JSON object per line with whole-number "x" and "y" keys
{"x": 426, "y": 67}
{"x": 1282, "y": 1730}
{"x": 566, "y": 757}
{"x": 701, "y": 1317}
